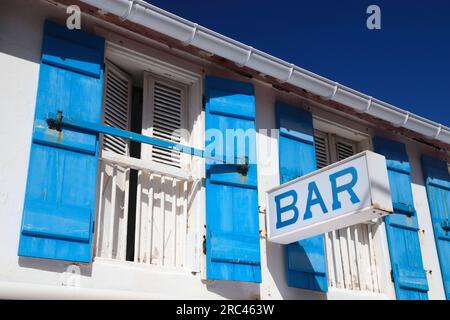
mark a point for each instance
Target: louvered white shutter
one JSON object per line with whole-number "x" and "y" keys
{"x": 117, "y": 106}
{"x": 164, "y": 118}
{"x": 344, "y": 149}
{"x": 322, "y": 150}
{"x": 114, "y": 179}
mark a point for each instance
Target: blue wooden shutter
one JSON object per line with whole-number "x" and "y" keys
{"x": 60, "y": 194}
{"x": 305, "y": 259}
{"x": 437, "y": 181}
{"x": 410, "y": 279}
{"x": 232, "y": 219}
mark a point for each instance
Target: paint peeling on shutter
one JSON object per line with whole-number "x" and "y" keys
{"x": 59, "y": 204}
{"x": 116, "y": 109}
{"x": 232, "y": 218}
{"x": 437, "y": 179}
{"x": 402, "y": 229}
{"x": 305, "y": 260}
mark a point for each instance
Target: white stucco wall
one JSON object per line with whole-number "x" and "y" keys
{"x": 21, "y": 25}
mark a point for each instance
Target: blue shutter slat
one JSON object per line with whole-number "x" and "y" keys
{"x": 412, "y": 279}
{"x": 67, "y": 54}
{"x": 404, "y": 208}
{"x": 402, "y": 226}
{"x": 305, "y": 259}
{"x": 232, "y": 218}
{"x": 437, "y": 181}
{"x": 223, "y": 248}
{"x": 61, "y": 184}
{"x": 295, "y": 135}
{"x": 237, "y": 106}
{"x": 43, "y": 220}
{"x": 70, "y": 140}
{"x": 398, "y": 166}
{"x": 442, "y": 184}
{"x": 227, "y": 174}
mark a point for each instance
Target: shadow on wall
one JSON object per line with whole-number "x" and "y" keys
{"x": 234, "y": 289}
{"x": 21, "y": 32}
{"x": 276, "y": 260}
{"x": 414, "y": 154}
{"x": 56, "y": 266}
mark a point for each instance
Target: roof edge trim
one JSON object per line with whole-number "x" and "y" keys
{"x": 191, "y": 33}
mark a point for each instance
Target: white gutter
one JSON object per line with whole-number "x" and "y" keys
{"x": 190, "y": 33}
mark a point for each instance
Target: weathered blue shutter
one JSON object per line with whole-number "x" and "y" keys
{"x": 305, "y": 259}
{"x": 60, "y": 194}
{"x": 437, "y": 181}
{"x": 232, "y": 219}
{"x": 410, "y": 278}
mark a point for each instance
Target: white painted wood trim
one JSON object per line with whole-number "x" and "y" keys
{"x": 146, "y": 165}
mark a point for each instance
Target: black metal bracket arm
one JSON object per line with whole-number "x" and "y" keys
{"x": 243, "y": 168}
{"x": 55, "y": 123}
{"x": 403, "y": 208}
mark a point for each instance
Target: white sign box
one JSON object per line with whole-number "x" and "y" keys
{"x": 346, "y": 193}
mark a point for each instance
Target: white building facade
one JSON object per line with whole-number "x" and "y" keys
{"x": 91, "y": 215}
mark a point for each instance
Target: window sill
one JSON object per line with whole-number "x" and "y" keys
{"x": 130, "y": 265}
{"x": 343, "y": 294}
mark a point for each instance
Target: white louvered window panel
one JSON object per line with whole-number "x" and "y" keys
{"x": 351, "y": 259}
{"x": 344, "y": 149}
{"x": 167, "y": 121}
{"x": 322, "y": 154}
{"x": 164, "y": 118}
{"x": 114, "y": 180}
{"x": 116, "y": 109}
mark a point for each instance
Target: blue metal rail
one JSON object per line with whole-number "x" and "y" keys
{"x": 57, "y": 121}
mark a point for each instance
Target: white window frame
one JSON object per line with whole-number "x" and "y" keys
{"x": 362, "y": 142}
{"x": 157, "y": 66}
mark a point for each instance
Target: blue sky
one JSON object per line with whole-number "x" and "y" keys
{"x": 406, "y": 63}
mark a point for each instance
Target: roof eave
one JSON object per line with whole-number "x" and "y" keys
{"x": 191, "y": 34}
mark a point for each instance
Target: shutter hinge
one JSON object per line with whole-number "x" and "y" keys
{"x": 93, "y": 227}
{"x": 262, "y": 234}
{"x": 263, "y": 230}
{"x": 204, "y": 245}
{"x": 392, "y": 275}
{"x": 243, "y": 167}
{"x": 55, "y": 124}
{"x": 203, "y": 102}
